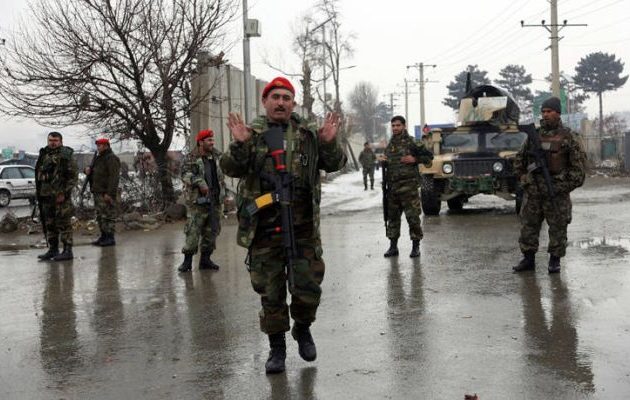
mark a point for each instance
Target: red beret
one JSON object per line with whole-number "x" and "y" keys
{"x": 102, "y": 141}
{"x": 278, "y": 83}
{"x": 204, "y": 134}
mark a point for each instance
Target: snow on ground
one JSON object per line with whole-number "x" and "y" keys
{"x": 345, "y": 194}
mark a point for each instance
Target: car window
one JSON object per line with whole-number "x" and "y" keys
{"x": 506, "y": 141}
{"x": 11, "y": 173}
{"x": 27, "y": 173}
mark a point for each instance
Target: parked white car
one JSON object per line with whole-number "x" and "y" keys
{"x": 16, "y": 182}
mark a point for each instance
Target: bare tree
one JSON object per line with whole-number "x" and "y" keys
{"x": 120, "y": 66}
{"x": 363, "y": 100}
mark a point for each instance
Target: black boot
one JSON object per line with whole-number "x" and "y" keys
{"x": 53, "y": 250}
{"x": 206, "y": 263}
{"x": 98, "y": 241}
{"x": 306, "y": 346}
{"x": 108, "y": 240}
{"x": 393, "y": 248}
{"x": 66, "y": 254}
{"x": 187, "y": 264}
{"x": 554, "y": 264}
{"x": 277, "y": 354}
{"x": 415, "y": 249}
{"x": 527, "y": 263}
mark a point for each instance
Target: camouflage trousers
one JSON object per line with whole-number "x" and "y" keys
{"x": 370, "y": 172}
{"x": 199, "y": 228}
{"x": 58, "y": 219}
{"x": 537, "y": 208}
{"x": 409, "y": 203}
{"x": 267, "y": 272}
{"x": 105, "y": 214}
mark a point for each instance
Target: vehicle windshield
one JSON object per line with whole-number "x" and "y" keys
{"x": 483, "y": 141}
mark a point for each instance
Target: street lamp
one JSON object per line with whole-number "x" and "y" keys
{"x": 251, "y": 28}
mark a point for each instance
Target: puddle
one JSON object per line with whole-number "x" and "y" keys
{"x": 616, "y": 247}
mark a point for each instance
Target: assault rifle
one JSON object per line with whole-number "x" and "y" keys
{"x": 540, "y": 161}
{"x": 282, "y": 194}
{"x": 385, "y": 191}
{"x": 88, "y": 178}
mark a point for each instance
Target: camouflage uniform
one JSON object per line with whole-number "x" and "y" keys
{"x": 199, "y": 224}
{"x": 367, "y": 159}
{"x": 567, "y": 169}
{"x": 104, "y": 179}
{"x": 305, "y": 157}
{"x": 56, "y": 173}
{"x": 403, "y": 181}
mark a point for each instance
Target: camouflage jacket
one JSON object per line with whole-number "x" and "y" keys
{"x": 570, "y": 178}
{"x": 193, "y": 176}
{"x": 403, "y": 177}
{"x": 105, "y": 174}
{"x": 309, "y": 155}
{"x": 367, "y": 158}
{"x": 56, "y": 172}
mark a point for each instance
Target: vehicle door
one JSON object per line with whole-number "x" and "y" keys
{"x": 14, "y": 181}
{"x": 28, "y": 174}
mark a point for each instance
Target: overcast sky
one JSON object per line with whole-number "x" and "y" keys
{"x": 391, "y": 35}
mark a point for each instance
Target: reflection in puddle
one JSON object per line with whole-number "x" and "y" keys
{"x": 611, "y": 247}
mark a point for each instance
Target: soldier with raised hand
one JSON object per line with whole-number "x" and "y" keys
{"x": 308, "y": 150}
{"x": 401, "y": 160}
{"x": 104, "y": 177}
{"x": 565, "y": 160}
{"x": 56, "y": 176}
{"x": 205, "y": 188}
{"x": 367, "y": 159}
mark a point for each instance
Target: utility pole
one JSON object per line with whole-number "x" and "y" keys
{"x": 554, "y": 28}
{"x": 250, "y": 29}
{"x": 407, "y": 82}
{"x": 421, "y": 82}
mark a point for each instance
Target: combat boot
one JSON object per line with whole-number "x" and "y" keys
{"x": 527, "y": 263}
{"x": 98, "y": 241}
{"x": 393, "y": 248}
{"x": 306, "y": 346}
{"x": 65, "y": 255}
{"x": 187, "y": 264}
{"x": 554, "y": 264}
{"x": 108, "y": 240}
{"x": 53, "y": 250}
{"x": 206, "y": 263}
{"x": 415, "y": 249}
{"x": 277, "y": 354}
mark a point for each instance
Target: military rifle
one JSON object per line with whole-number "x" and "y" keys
{"x": 536, "y": 151}
{"x": 385, "y": 187}
{"x": 88, "y": 178}
{"x": 282, "y": 194}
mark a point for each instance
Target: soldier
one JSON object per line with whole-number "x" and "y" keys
{"x": 308, "y": 150}
{"x": 367, "y": 159}
{"x": 55, "y": 177}
{"x": 566, "y": 163}
{"x": 401, "y": 159}
{"x": 205, "y": 189}
{"x": 103, "y": 177}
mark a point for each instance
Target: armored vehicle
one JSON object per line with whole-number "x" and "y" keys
{"x": 476, "y": 156}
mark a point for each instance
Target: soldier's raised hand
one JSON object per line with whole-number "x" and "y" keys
{"x": 240, "y": 132}
{"x": 328, "y": 132}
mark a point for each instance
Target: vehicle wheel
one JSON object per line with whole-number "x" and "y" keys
{"x": 456, "y": 203}
{"x": 5, "y": 198}
{"x": 431, "y": 202}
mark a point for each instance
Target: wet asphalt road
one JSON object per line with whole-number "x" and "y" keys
{"x": 120, "y": 323}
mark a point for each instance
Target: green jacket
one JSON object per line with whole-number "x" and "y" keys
{"x": 105, "y": 174}
{"x": 570, "y": 178}
{"x": 367, "y": 159}
{"x": 56, "y": 172}
{"x": 400, "y": 176}
{"x": 193, "y": 177}
{"x": 309, "y": 155}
